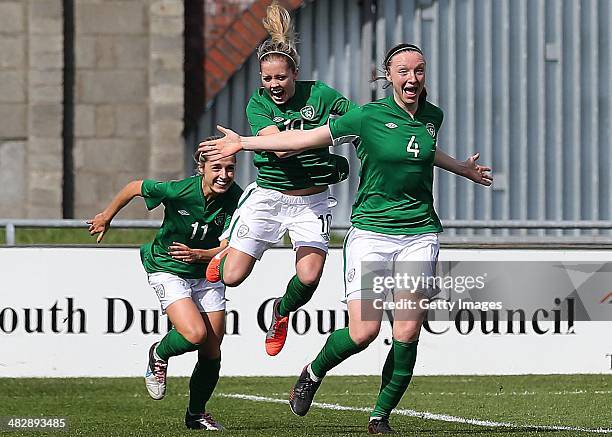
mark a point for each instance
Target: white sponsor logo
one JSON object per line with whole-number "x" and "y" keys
{"x": 277, "y": 119}
{"x": 183, "y": 212}
{"x": 391, "y": 125}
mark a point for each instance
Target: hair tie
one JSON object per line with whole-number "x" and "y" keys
{"x": 401, "y": 48}
{"x": 277, "y": 52}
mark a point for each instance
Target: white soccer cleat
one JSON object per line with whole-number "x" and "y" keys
{"x": 155, "y": 376}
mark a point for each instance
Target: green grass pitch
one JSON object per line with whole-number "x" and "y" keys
{"x": 529, "y": 405}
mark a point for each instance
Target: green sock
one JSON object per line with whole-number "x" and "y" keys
{"x": 297, "y": 295}
{"x": 174, "y": 344}
{"x": 338, "y": 347}
{"x": 396, "y": 375}
{"x": 221, "y": 264}
{"x": 202, "y": 384}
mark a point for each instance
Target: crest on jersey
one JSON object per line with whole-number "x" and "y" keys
{"x": 243, "y": 230}
{"x": 159, "y": 290}
{"x": 308, "y": 113}
{"x": 350, "y": 275}
{"x": 431, "y": 129}
{"x": 220, "y": 219}
{"x": 277, "y": 119}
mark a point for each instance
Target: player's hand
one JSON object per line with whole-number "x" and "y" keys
{"x": 477, "y": 173}
{"x": 183, "y": 253}
{"x": 99, "y": 225}
{"x": 229, "y": 144}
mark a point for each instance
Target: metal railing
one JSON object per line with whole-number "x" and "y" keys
{"x": 523, "y": 224}
{"x": 481, "y": 232}
{"x": 11, "y": 224}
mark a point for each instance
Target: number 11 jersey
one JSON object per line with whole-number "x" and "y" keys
{"x": 189, "y": 218}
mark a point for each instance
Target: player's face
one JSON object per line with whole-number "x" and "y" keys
{"x": 278, "y": 78}
{"x": 406, "y": 72}
{"x": 219, "y": 175}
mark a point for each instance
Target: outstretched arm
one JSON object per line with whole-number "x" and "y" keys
{"x": 287, "y": 141}
{"x": 468, "y": 168}
{"x": 101, "y": 222}
{"x": 271, "y": 130}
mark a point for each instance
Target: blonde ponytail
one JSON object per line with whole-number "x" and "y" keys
{"x": 283, "y": 38}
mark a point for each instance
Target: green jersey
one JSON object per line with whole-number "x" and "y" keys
{"x": 189, "y": 218}
{"x": 311, "y": 106}
{"x": 397, "y": 159}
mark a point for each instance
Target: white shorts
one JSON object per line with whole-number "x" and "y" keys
{"x": 207, "y": 296}
{"x": 263, "y": 216}
{"x": 368, "y": 254}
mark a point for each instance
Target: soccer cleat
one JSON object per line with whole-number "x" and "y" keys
{"x": 302, "y": 393}
{"x": 277, "y": 333}
{"x": 155, "y": 377}
{"x": 213, "y": 274}
{"x": 379, "y": 426}
{"x": 202, "y": 421}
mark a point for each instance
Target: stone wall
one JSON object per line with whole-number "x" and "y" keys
{"x": 44, "y": 156}
{"x": 30, "y": 63}
{"x": 13, "y": 108}
{"x": 129, "y": 98}
{"x": 128, "y": 102}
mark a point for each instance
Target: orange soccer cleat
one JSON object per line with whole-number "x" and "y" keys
{"x": 213, "y": 274}
{"x": 277, "y": 333}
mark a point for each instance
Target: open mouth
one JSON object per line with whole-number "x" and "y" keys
{"x": 221, "y": 184}
{"x": 410, "y": 90}
{"x": 277, "y": 94}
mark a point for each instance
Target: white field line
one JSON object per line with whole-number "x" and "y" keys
{"x": 501, "y": 393}
{"x": 423, "y": 415}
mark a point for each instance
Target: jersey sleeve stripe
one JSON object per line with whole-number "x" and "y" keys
{"x": 344, "y": 139}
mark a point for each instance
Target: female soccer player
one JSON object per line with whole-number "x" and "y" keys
{"x": 197, "y": 210}
{"x": 291, "y": 191}
{"x": 393, "y": 218}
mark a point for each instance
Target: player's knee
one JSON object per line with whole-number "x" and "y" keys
{"x": 363, "y": 337}
{"x": 309, "y": 277}
{"x": 231, "y": 279}
{"x": 237, "y": 269}
{"x": 407, "y": 335}
{"x": 195, "y": 334}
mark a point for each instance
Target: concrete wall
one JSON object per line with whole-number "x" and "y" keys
{"x": 128, "y": 102}
{"x": 31, "y": 63}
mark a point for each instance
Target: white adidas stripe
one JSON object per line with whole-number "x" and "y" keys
{"x": 423, "y": 415}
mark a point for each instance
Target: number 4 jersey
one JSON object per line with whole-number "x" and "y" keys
{"x": 189, "y": 218}
{"x": 397, "y": 154}
{"x": 311, "y": 106}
